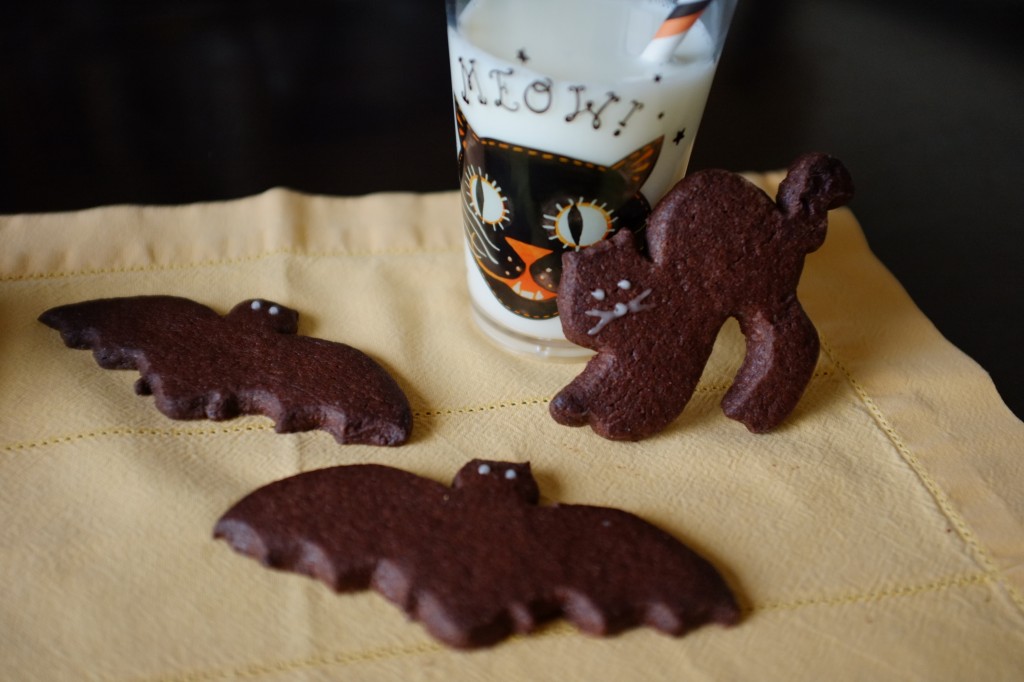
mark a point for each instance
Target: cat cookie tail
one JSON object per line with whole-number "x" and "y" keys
{"x": 815, "y": 184}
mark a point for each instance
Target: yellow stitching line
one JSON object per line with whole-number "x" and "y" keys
{"x": 947, "y": 508}
{"x": 530, "y": 402}
{"x": 451, "y": 411}
{"x": 151, "y": 432}
{"x": 129, "y": 431}
{"x": 170, "y": 267}
{"x": 892, "y": 592}
{"x": 557, "y": 628}
{"x": 325, "y": 660}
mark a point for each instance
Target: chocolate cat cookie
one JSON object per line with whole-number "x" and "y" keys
{"x": 199, "y": 364}
{"x": 480, "y": 560}
{"x": 718, "y": 247}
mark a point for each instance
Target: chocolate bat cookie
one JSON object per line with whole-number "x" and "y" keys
{"x": 198, "y": 364}
{"x": 480, "y": 560}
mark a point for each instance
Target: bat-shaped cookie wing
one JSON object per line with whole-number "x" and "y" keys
{"x": 480, "y": 560}
{"x": 334, "y": 524}
{"x": 198, "y": 364}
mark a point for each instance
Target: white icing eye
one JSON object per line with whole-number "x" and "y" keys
{"x": 485, "y": 198}
{"x": 621, "y": 309}
{"x": 274, "y": 310}
{"x": 510, "y": 474}
{"x": 625, "y": 284}
{"x": 256, "y": 305}
{"x": 484, "y": 469}
{"x": 598, "y": 294}
{"x": 580, "y": 223}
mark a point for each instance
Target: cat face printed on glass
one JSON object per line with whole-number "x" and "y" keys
{"x": 523, "y": 208}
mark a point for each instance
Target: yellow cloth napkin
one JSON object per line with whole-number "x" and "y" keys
{"x": 878, "y": 534}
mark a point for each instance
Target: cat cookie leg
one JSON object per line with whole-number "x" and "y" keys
{"x": 624, "y": 401}
{"x": 782, "y": 351}
{"x": 572, "y": 405}
{"x": 569, "y": 407}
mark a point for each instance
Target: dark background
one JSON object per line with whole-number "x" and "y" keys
{"x": 173, "y": 102}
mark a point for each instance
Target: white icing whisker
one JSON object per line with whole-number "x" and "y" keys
{"x": 634, "y": 303}
{"x": 605, "y": 317}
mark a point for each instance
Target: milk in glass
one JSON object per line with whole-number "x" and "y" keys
{"x": 566, "y": 135}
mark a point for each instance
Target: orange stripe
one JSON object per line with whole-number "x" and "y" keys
{"x": 674, "y": 27}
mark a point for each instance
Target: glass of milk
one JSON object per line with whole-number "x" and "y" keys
{"x": 570, "y": 125}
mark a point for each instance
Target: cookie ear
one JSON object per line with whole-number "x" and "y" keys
{"x": 498, "y": 477}
{"x": 636, "y": 167}
{"x": 258, "y": 313}
{"x": 815, "y": 184}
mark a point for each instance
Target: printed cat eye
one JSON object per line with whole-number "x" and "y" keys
{"x": 580, "y": 223}
{"x": 485, "y": 197}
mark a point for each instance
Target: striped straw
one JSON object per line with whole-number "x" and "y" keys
{"x": 673, "y": 30}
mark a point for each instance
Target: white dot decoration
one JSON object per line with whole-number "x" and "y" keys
{"x": 274, "y": 310}
{"x": 625, "y": 284}
{"x": 484, "y": 469}
{"x": 510, "y": 474}
{"x": 598, "y": 294}
{"x": 256, "y": 305}
{"x": 621, "y": 309}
